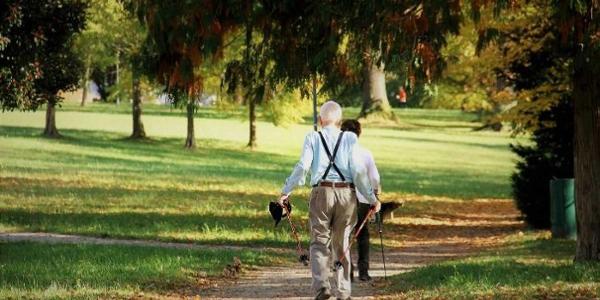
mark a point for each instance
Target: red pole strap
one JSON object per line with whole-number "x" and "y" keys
{"x": 294, "y": 232}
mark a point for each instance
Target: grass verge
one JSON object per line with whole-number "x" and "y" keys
{"x": 532, "y": 266}
{"x": 33, "y": 270}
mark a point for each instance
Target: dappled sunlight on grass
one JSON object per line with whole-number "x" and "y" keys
{"x": 437, "y": 162}
{"x": 96, "y": 182}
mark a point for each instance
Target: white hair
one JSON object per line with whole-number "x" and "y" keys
{"x": 331, "y": 112}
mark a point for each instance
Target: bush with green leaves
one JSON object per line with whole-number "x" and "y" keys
{"x": 550, "y": 157}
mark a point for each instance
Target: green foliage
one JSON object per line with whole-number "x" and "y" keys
{"x": 286, "y": 108}
{"x": 181, "y": 36}
{"x": 97, "y": 43}
{"x": 550, "y": 157}
{"x": 538, "y": 70}
{"x": 506, "y": 67}
{"x": 469, "y": 80}
{"x": 36, "y": 60}
{"x": 112, "y": 36}
{"x": 122, "y": 89}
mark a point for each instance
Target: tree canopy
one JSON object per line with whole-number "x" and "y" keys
{"x": 36, "y": 60}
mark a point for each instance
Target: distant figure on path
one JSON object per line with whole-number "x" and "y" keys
{"x": 331, "y": 156}
{"x": 363, "y": 203}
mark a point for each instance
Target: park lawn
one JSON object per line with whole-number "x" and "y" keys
{"x": 529, "y": 266}
{"x": 33, "y": 270}
{"x": 96, "y": 182}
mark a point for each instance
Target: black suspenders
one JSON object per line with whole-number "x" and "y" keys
{"x": 332, "y": 156}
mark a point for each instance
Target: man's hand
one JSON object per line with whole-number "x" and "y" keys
{"x": 282, "y": 199}
{"x": 376, "y": 206}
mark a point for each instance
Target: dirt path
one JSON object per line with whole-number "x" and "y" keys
{"x": 428, "y": 230}
{"x": 432, "y": 230}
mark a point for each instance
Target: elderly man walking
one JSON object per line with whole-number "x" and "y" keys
{"x": 336, "y": 170}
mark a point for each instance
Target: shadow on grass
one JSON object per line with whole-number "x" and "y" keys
{"x": 108, "y": 154}
{"x": 161, "y": 155}
{"x": 161, "y": 110}
{"x": 443, "y": 182}
{"x": 202, "y": 228}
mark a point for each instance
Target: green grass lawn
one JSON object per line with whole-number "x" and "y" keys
{"x": 528, "y": 267}
{"x": 96, "y": 182}
{"x": 32, "y": 270}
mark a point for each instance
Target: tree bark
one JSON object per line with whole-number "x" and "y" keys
{"x": 250, "y": 97}
{"x": 117, "y": 79}
{"x": 190, "y": 141}
{"x": 136, "y": 105}
{"x": 252, "y": 118}
{"x": 86, "y": 79}
{"x": 239, "y": 95}
{"x": 586, "y": 94}
{"x": 374, "y": 90}
{"x": 50, "y": 129}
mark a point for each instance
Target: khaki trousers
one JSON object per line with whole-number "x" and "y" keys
{"x": 332, "y": 217}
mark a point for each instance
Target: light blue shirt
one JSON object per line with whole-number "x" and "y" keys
{"x": 315, "y": 159}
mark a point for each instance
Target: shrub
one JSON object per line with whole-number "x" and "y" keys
{"x": 550, "y": 157}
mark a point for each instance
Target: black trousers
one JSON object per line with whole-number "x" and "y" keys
{"x": 363, "y": 239}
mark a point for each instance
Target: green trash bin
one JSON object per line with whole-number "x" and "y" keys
{"x": 562, "y": 208}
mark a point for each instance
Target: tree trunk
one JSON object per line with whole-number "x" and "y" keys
{"x": 252, "y": 118}
{"x": 374, "y": 91}
{"x": 250, "y": 97}
{"x": 586, "y": 94}
{"x": 239, "y": 95}
{"x": 86, "y": 79}
{"x": 117, "y": 80}
{"x": 50, "y": 129}
{"x": 190, "y": 141}
{"x": 138, "y": 126}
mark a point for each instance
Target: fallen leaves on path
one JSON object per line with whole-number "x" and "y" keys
{"x": 425, "y": 230}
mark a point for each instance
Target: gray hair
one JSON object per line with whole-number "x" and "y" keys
{"x": 330, "y": 112}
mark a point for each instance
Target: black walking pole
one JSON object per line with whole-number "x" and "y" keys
{"x": 380, "y": 224}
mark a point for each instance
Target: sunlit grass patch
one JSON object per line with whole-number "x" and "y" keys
{"x": 529, "y": 266}
{"x": 88, "y": 271}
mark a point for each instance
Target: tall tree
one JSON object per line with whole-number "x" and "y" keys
{"x": 36, "y": 57}
{"x": 181, "y": 35}
{"x": 113, "y": 37}
{"x": 60, "y": 71}
{"x": 526, "y": 52}
{"x": 250, "y": 71}
{"x": 580, "y": 27}
{"x": 138, "y": 131}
